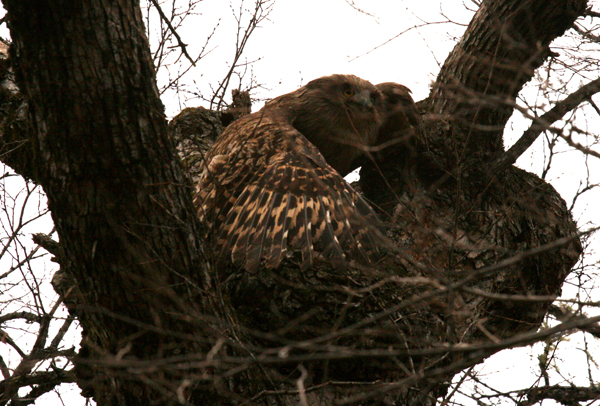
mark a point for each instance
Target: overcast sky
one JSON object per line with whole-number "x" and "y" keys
{"x": 301, "y": 41}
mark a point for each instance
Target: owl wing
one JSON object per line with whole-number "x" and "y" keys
{"x": 277, "y": 195}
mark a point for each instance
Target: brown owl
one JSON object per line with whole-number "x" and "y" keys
{"x": 272, "y": 182}
{"x": 401, "y": 120}
{"x": 339, "y": 114}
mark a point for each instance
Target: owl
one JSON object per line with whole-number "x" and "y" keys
{"x": 272, "y": 183}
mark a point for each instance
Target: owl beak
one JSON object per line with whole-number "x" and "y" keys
{"x": 364, "y": 100}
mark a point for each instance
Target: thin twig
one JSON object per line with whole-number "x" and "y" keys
{"x": 179, "y": 41}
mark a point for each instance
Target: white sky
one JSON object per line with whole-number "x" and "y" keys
{"x": 304, "y": 40}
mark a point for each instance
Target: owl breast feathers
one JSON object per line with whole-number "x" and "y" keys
{"x": 272, "y": 183}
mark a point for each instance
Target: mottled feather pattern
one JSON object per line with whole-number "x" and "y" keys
{"x": 341, "y": 127}
{"x": 268, "y": 192}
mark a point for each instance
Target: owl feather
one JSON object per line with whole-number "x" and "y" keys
{"x": 268, "y": 191}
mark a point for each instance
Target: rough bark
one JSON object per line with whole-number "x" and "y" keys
{"x": 115, "y": 188}
{"x": 129, "y": 235}
{"x": 15, "y": 128}
{"x": 475, "y": 91}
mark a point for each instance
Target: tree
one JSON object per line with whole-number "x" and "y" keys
{"x": 484, "y": 246}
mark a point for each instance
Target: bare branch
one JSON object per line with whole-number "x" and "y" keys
{"x": 180, "y": 43}
{"x": 544, "y": 122}
{"x": 569, "y": 139}
{"x": 566, "y": 395}
{"x": 564, "y": 314}
{"x": 352, "y": 4}
{"x": 44, "y": 381}
{"x": 592, "y": 13}
{"x": 262, "y": 8}
{"x": 4, "y": 337}
{"x": 586, "y": 33}
{"x": 29, "y": 317}
{"x": 414, "y": 27}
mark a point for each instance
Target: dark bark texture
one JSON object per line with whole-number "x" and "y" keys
{"x": 162, "y": 326}
{"x": 116, "y": 191}
{"x": 476, "y": 89}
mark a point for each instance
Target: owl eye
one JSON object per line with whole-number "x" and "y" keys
{"x": 348, "y": 92}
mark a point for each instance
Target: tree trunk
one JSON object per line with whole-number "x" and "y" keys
{"x": 116, "y": 191}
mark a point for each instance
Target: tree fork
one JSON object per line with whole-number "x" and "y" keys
{"x": 506, "y": 41}
{"x": 118, "y": 196}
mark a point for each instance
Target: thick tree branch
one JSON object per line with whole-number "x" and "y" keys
{"x": 503, "y": 45}
{"x": 544, "y": 122}
{"x": 564, "y": 314}
{"x": 42, "y": 381}
{"x": 477, "y": 353}
{"x": 592, "y": 13}
{"x": 566, "y": 395}
{"x": 50, "y": 245}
